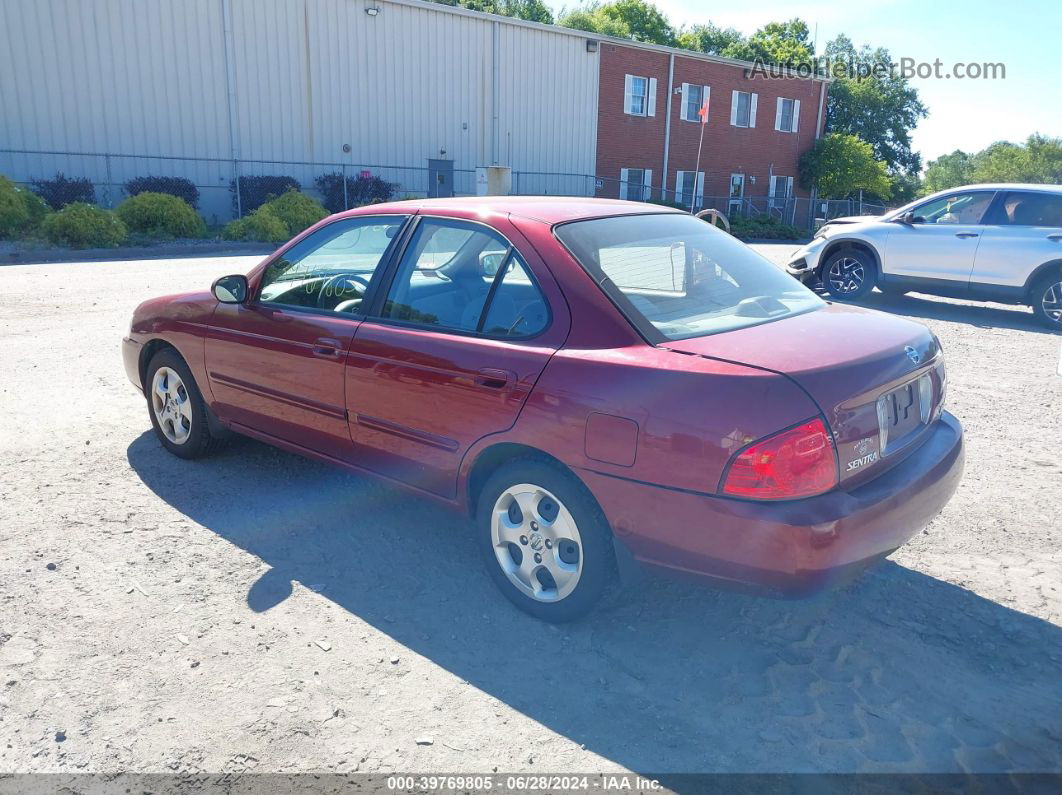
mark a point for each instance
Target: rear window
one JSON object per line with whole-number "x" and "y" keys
{"x": 677, "y": 276}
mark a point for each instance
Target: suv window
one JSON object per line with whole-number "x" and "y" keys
{"x": 955, "y": 208}
{"x": 330, "y": 269}
{"x": 452, "y": 270}
{"x": 1028, "y": 208}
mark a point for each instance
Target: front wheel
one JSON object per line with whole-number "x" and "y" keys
{"x": 849, "y": 274}
{"x": 544, "y": 540}
{"x": 178, "y": 413}
{"x": 1046, "y": 300}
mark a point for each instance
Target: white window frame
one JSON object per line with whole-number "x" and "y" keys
{"x": 649, "y": 99}
{"x": 680, "y": 187}
{"x": 753, "y": 101}
{"x": 777, "y": 201}
{"x": 646, "y": 191}
{"x": 706, "y": 94}
{"x": 778, "y": 114}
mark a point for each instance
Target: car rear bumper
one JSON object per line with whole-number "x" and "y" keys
{"x": 131, "y": 359}
{"x": 797, "y": 546}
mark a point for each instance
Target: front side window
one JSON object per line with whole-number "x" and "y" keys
{"x": 675, "y": 276}
{"x": 331, "y": 269}
{"x": 464, "y": 277}
{"x": 1022, "y": 208}
{"x": 955, "y": 208}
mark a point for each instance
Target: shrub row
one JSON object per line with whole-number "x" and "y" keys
{"x": 277, "y": 220}
{"x": 765, "y": 227}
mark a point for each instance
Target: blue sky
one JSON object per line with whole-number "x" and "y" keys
{"x": 964, "y": 114}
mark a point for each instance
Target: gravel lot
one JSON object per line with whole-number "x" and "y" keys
{"x": 257, "y": 611}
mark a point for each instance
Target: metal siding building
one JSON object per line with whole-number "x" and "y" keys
{"x": 264, "y": 81}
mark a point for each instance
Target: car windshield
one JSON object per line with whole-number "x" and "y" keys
{"x": 678, "y": 276}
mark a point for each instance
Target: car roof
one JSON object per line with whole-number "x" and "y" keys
{"x": 1007, "y": 186}
{"x": 548, "y": 209}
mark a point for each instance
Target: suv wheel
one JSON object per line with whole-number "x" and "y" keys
{"x": 1046, "y": 300}
{"x": 849, "y": 273}
{"x": 544, "y": 540}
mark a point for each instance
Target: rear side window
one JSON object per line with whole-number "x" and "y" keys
{"x": 1028, "y": 208}
{"x": 677, "y": 276}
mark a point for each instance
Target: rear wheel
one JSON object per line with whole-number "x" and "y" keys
{"x": 1046, "y": 300}
{"x": 544, "y": 540}
{"x": 176, "y": 406}
{"x": 849, "y": 274}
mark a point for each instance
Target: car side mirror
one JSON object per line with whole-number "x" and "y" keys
{"x": 907, "y": 218}
{"x": 231, "y": 289}
{"x": 490, "y": 262}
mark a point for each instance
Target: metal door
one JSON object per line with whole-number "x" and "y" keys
{"x": 440, "y": 178}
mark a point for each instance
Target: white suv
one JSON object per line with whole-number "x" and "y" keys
{"x": 985, "y": 242}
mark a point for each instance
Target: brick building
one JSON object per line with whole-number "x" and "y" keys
{"x": 648, "y": 128}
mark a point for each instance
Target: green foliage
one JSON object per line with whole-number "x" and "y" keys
{"x": 278, "y": 220}
{"x": 764, "y": 227}
{"x": 630, "y": 19}
{"x": 531, "y": 10}
{"x": 61, "y": 191}
{"x": 160, "y": 215}
{"x": 175, "y": 186}
{"x": 81, "y": 225}
{"x": 1038, "y": 160}
{"x": 257, "y": 190}
{"x": 709, "y": 38}
{"x": 840, "y": 165}
{"x": 783, "y": 43}
{"x": 14, "y": 212}
{"x": 360, "y": 190}
{"x": 903, "y": 188}
{"x": 879, "y": 108}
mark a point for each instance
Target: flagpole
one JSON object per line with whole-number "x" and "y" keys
{"x": 703, "y": 113}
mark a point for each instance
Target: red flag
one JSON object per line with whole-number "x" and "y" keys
{"x": 703, "y": 112}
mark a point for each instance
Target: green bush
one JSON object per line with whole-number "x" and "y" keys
{"x": 61, "y": 190}
{"x": 160, "y": 215}
{"x": 21, "y": 211}
{"x": 764, "y": 227}
{"x": 81, "y": 225}
{"x": 175, "y": 186}
{"x": 262, "y": 225}
{"x": 36, "y": 207}
{"x": 297, "y": 211}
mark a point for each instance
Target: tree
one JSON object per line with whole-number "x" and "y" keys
{"x": 782, "y": 43}
{"x": 840, "y": 165}
{"x": 708, "y": 39}
{"x": 532, "y": 10}
{"x": 879, "y": 107}
{"x": 1038, "y": 160}
{"x": 632, "y": 19}
{"x": 947, "y": 171}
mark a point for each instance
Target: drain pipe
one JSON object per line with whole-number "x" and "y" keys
{"x": 667, "y": 124}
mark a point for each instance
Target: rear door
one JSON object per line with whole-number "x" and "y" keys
{"x": 942, "y": 242}
{"x": 275, "y": 365}
{"x": 1023, "y": 231}
{"x": 458, "y": 342}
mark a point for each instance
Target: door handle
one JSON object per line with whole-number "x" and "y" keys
{"x": 494, "y": 379}
{"x": 1055, "y": 237}
{"x": 966, "y": 234}
{"x": 326, "y": 347}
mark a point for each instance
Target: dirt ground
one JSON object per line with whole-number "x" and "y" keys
{"x": 260, "y": 612}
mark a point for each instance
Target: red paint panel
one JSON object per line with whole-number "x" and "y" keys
{"x": 611, "y": 439}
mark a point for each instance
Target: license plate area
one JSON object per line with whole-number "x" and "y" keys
{"x": 901, "y": 415}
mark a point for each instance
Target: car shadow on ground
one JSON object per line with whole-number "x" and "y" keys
{"x": 980, "y": 315}
{"x": 897, "y": 671}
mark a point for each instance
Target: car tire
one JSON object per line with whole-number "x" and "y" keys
{"x": 1045, "y": 297}
{"x": 532, "y": 507}
{"x": 849, "y": 274}
{"x": 175, "y": 405}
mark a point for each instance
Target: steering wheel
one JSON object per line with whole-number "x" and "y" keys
{"x": 341, "y": 288}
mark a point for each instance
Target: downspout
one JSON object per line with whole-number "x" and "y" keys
{"x": 230, "y": 79}
{"x": 495, "y": 34}
{"x": 667, "y": 123}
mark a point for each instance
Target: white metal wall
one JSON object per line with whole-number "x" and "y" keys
{"x": 415, "y": 81}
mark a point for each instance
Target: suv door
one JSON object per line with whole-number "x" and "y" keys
{"x": 275, "y": 364}
{"x": 461, "y": 337}
{"x": 941, "y": 243}
{"x": 1022, "y": 232}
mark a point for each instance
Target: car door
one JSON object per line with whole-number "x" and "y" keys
{"x": 458, "y": 342}
{"x": 275, "y": 364}
{"x": 941, "y": 242}
{"x": 1023, "y": 231}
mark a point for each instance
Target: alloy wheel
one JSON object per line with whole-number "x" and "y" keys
{"x": 1051, "y": 301}
{"x": 846, "y": 275}
{"x": 171, "y": 405}
{"x": 536, "y": 542}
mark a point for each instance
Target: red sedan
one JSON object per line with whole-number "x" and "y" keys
{"x": 595, "y": 382}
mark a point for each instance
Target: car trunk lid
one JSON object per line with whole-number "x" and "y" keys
{"x": 861, "y": 368}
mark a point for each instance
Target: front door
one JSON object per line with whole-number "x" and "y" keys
{"x": 462, "y": 337}
{"x": 942, "y": 241}
{"x": 275, "y": 364}
{"x": 737, "y": 194}
{"x": 440, "y": 179}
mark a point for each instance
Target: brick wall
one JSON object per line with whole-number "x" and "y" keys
{"x": 625, "y": 141}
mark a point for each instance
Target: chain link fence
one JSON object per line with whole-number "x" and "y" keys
{"x": 222, "y": 189}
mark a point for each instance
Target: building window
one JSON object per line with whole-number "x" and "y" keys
{"x": 693, "y": 99}
{"x": 636, "y": 184}
{"x": 743, "y": 109}
{"x": 781, "y": 190}
{"x": 639, "y": 95}
{"x": 684, "y": 189}
{"x": 787, "y": 115}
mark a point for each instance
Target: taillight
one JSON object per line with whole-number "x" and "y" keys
{"x": 798, "y": 462}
